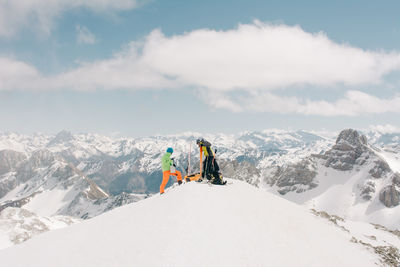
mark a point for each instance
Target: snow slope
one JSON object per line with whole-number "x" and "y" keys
{"x": 392, "y": 158}
{"x": 197, "y": 225}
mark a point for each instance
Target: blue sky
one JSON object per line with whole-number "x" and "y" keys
{"x": 162, "y": 67}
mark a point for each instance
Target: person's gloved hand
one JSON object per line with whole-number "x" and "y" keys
{"x": 179, "y": 182}
{"x": 174, "y": 164}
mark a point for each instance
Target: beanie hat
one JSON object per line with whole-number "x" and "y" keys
{"x": 170, "y": 150}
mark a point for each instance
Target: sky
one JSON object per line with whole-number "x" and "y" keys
{"x": 147, "y": 67}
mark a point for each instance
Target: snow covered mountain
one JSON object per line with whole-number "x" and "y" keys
{"x": 352, "y": 180}
{"x": 132, "y": 165}
{"x": 47, "y": 184}
{"x": 201, "y": 225}
{"x": 73, "y": 170}
{"x": 84, "y": 175}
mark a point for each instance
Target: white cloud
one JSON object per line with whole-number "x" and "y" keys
{"x": 16, "y": 74}
{"x": 385, "y": 129}
{"x": 253, "y": 57}
{"x": 262, "y": 56}
{"x": 40, "y": 14}
{"x": 244, "y": 67}
{"x": 84, "y": 36}
{"x": 354, "y": 103}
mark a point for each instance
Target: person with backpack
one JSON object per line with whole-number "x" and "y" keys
{"x": 210, "y": 165}
{"x": 168, "y": 168}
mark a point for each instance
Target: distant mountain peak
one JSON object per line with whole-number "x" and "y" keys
{"x": 352, "y": 137}
{"x": 62, "y": 137}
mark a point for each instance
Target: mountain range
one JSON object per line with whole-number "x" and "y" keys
{"x": 354, "y": 175}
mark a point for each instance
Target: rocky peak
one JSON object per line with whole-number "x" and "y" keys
{"x": 348, "y": 151}
{"x": 351, "y": 137}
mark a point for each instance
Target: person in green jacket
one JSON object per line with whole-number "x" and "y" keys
{"x": 168, "y": 168}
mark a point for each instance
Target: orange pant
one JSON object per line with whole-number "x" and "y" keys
{"x": 165, "y": 179}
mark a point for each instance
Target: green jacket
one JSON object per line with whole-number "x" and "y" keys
{"x": 166, "y": 162}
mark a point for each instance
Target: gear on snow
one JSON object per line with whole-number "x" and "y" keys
{"x": 209, "y": 168}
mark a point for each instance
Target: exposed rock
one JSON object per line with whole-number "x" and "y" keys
{"x": 351, "y": 137}
{"x": 324, "y": 214}
{"x": 28, "y": 169}
{"x": 243, "y": 170}
{"x": 41, "y": 158}
{"x": 85, "y": 208}
{"x": 368, "y": 190}
{"x": 20, "y": 225}
{"x": 380, "y": 169}
{"x": 94, "y": 192}
{"x": 64, "y": 171}
{"x": 350, "y": 152}
{"x": 17, "y": 203}
{"x": 347, "y": 151}
{"x": 45, "y": 171}
{"x": 7, "y": 183}
{"x": 396, "y": 179}
{"x": 389, "y": 196}
{"x": 342, "y": 160}
{"x": 296, "y": 177}
{"x": 383, "y": 228}
{"x": 138, "y": 182}
{"x": 9, "y": 160}
{"x": 389, "y": 255}
{"x": 31, "y": 226}
{"x": 67, "y": 175}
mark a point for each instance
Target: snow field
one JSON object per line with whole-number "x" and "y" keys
{"x": 197, "y": 225}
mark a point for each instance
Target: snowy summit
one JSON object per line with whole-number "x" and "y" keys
{"x": 197, "y": 225}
